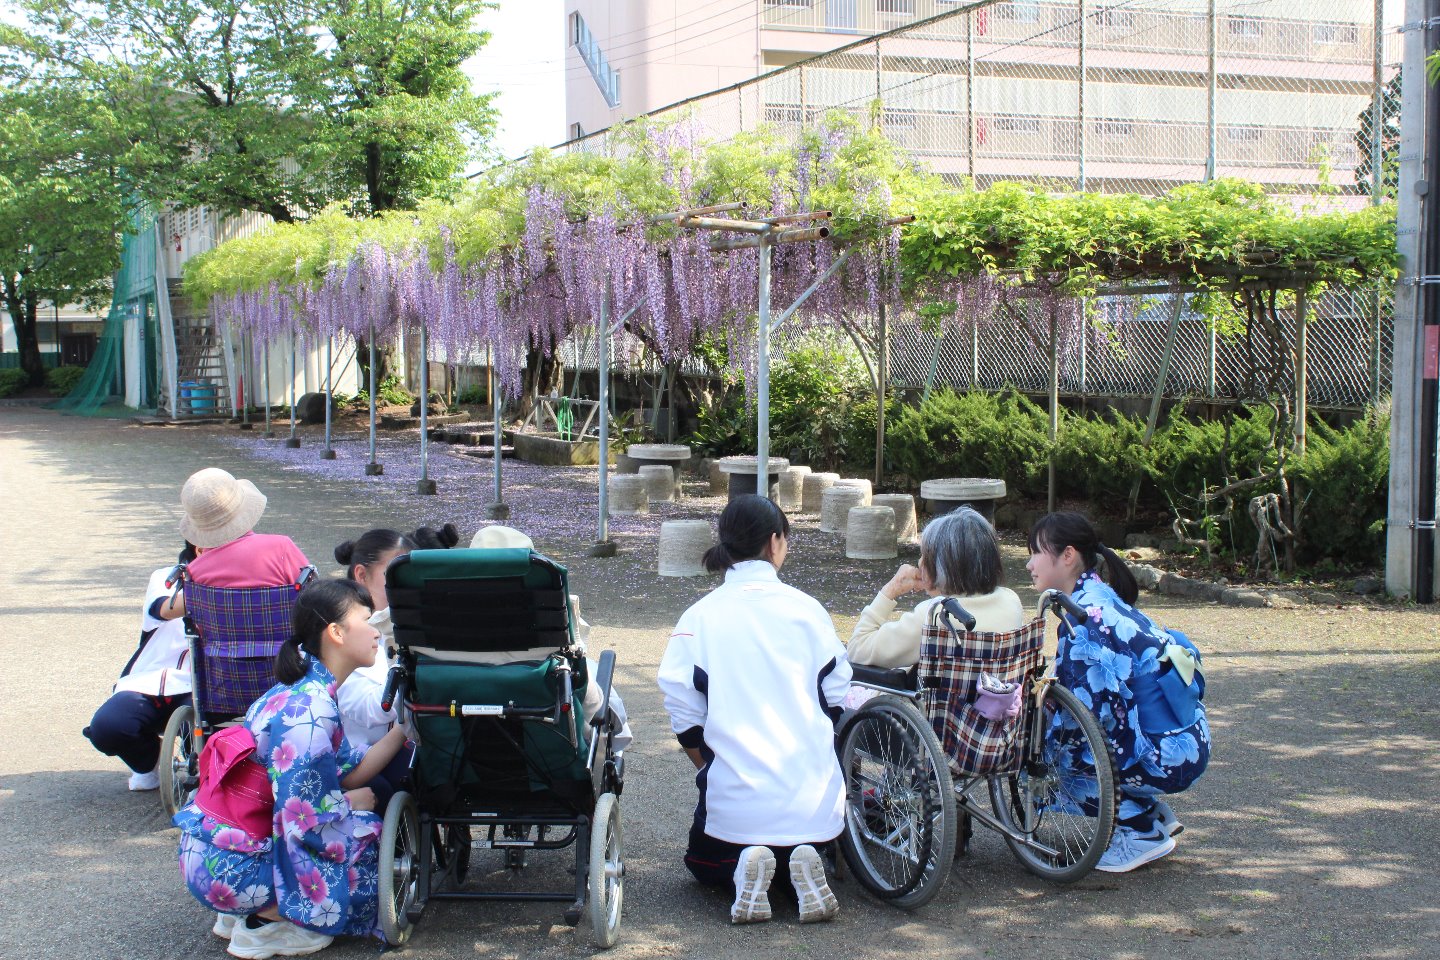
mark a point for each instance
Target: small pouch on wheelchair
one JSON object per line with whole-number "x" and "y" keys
{"x": 996, "y": 699}
{"x": 235, "y": 787}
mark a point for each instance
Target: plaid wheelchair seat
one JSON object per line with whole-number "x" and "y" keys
{"x": 951, "y": 661}
{"x": 240, "y": 631}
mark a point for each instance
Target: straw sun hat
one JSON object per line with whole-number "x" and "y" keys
{"x": 496, "y": 537}
{"x": 218, "y": 508}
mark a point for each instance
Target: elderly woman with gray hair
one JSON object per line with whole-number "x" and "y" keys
{"x": 960, "y": 558}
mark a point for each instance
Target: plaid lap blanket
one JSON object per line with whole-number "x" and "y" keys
{"x": 951, "y": 662}
{"x": 241, "y": 629}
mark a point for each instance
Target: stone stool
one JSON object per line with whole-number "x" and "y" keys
{"x": 812, "y": 488}
{"x": 904, "y": 506}
{"x": 659, "y": 482}
{"x": 870, "y": 533}
{"x": 835, "y": 507}
{"x": 719, "y": 480}
{"x": 942, "y": 496}
{"x": 682, "y": 547}
{"x": 743, "y": 480}
{"x": 791, "y": 488}
{"x": 859, "y": 485}
{"x": 627, "y": 494}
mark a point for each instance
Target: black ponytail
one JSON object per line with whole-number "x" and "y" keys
{"x": 320, "y": 604}
{"x": 372, "y": 545}
{"x": 746, "y": 526}
{"x": 1054, "y": 532}
{"x": 428, "y": 538}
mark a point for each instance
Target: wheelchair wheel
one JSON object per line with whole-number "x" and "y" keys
{"x": 607, "y": 871}
{"x": 399, "y": 867}
{"x": 899, "y": 835}
{"x": 1058, "y": 810}
{"x": 177, "y": 749}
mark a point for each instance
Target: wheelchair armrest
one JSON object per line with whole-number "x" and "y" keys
{"x": 885, "y": 678}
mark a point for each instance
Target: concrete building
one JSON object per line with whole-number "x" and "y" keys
{"x": 1108, "y": 94}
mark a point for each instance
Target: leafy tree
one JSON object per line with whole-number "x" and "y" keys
{"x": 61, "y": 207}
{"x": 280, "y": 106}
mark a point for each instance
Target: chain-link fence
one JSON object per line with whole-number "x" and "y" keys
{"x": 1113, "y": 96}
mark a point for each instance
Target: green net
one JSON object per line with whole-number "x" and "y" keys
{"x": 101, "y": 392}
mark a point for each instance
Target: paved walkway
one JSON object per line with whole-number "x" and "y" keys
{"x": 1311, "y": 835}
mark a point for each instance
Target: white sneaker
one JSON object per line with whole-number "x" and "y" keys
{"x": 276, "y": 939}
{"x": 140, "y": 782}
{"x": 1167, "y": 821}
{"x": 812, "y": 891}
{"x": 753, "y": 873}
{"x": 225, "y": 925}
{"x": 1129, "y": 850}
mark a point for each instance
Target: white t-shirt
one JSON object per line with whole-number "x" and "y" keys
{"x": 163, "y": 667}
{"x": 750, "y": 676}
{"x": 359, "y": 696}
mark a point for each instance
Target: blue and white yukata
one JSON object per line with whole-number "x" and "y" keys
{"x": 320, "y": 865}
{"x": 1116, "y": 663}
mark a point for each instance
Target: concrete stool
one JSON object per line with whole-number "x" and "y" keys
{"x": 627, "y": 494}
{"x": 859, "y": 485}
{"x": 659, "y": 482}
{"x": 682, "y": 547}
{"x": 743, "y": 480}
{"x": 870, "y": 533}
{"x": 942, "y": 496}
{"x": 791, "y": 487}
{"x": 904, "y": 506}
{"x": 812, "y": 488}
{"x": 835, "y": 507}
{"x": 719, "y": 480}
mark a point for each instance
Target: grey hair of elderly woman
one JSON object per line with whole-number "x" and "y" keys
{"x": 960, "y": 554}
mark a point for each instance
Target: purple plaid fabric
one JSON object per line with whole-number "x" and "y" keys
{"x": 950, "y": 668}
{"x": 241, "y": 630}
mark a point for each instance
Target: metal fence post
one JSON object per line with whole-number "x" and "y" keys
{"x": 1080, "y": 141}
{"x": 970, "y": 91}
{"x": 1212, "y": 85}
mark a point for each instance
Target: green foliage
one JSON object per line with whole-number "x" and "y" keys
{"x": 61, "y": 380}
{"x": 473, "y": 395}
{"x": 393, "y": 394}
{"x": 278, "y": 107}
{"x": 12, "y": 381}
{"x": 723, "y": 429}
{"x": 1100, "y": 457}
{"x": 972, "y": 435}
{"x": 814, "y": 392}
{"x": 1188, "y": 454}
{"x": 1344, "y": 479}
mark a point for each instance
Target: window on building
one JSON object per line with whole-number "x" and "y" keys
{"x": 900, "y": 7}
{"x": 576, "y": 131}
{"x": 783, "y": 113}
{"x": 1021, "y": 11}
{"x": 1114, "y": 18}
{"x": 1020, "y": 125}
{"x": 1337, "y": 34}
{"x": 1114, "y": 128}
{"x": 1248, "y": 27}
{"x": 790, "y": 3}
{"x": 1244, "y": 134}
{"x": 576, "y": 27}
{"x": 900, "y": 122}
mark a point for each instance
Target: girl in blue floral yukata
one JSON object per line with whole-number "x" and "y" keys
{"x": 1142, "y": 682}
{"x": 316, "y": 874}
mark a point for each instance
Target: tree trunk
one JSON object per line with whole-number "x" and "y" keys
{"x": 22, "y": 309}
{"x": 542, "y": 375}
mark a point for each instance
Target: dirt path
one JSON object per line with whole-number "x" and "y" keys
{"x": 1311, "y": 834}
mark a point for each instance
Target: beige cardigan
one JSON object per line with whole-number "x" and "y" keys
{"x": 879, "y": 641}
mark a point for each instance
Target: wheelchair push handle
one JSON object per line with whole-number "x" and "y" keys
{"x": 393, "y": 683}
{"x": 959, "y": 614}
{"x": 1062, "y": 604}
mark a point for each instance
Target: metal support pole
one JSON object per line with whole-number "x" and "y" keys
{"x": 497, "y": 509}
{"x": 934, "y": 365}
{"x": 1084, "y": 347}
{"x": 329, "y": 452}
{"x": 882, "y": 378}
{"x": 1051, "y": 492}
{"x": 425, "y": 486}
{"x": 603, "y": 545}
{"x": 762, "y": 371}
{"x": 294, "y": 440}
{"x": 372, "y": 469}
{"x": 974, "y": 353}
{"x": 1080, "y": 142}
{"x": 970, "y": 91}
{"x": 269, "y": 433}
{"x": 1211, "y": 88}
{"x": 1177, "y": 307}
{"x": 1302, "y": 338}
{"x": 247, "y": 377}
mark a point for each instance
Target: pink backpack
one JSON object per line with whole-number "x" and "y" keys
{"x": 234, "y": 786}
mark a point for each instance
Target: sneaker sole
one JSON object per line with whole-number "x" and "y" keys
{"x": 1150, "y": 856}
{"x": 752, "y": 900}
{"x": 817, "y": 900}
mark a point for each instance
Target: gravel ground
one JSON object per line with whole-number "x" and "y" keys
{"x": 1307, "y": 837}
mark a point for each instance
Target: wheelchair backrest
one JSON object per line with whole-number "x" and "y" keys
{"x": 238, "y": 631}
{"x": 478, "y": 601}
